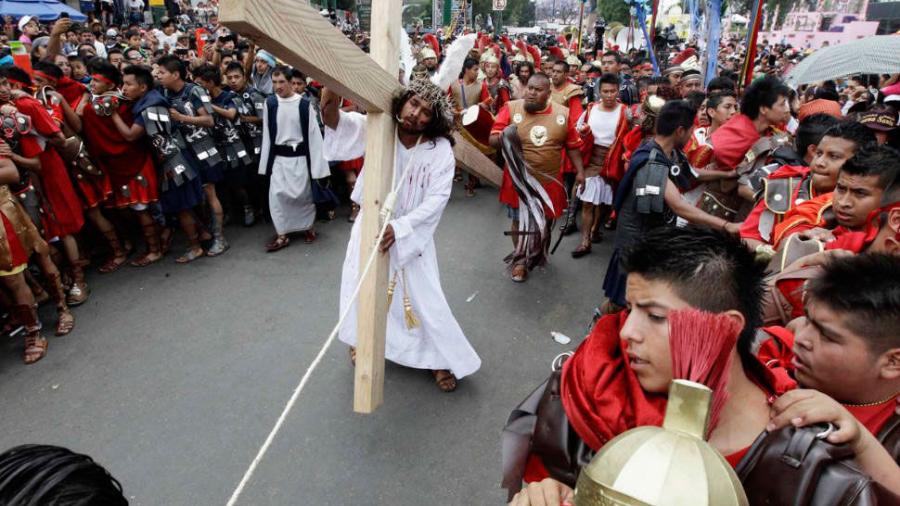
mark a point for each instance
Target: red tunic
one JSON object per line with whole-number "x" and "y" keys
{"x": 94, "y": 190}
{"x": 555, "y": 190}
{"x": 120, "y": 161}
{"x": 63, "y": 213}
{"x": 732, "y": 140}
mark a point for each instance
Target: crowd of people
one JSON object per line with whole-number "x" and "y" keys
{"x": 736, "y": 194}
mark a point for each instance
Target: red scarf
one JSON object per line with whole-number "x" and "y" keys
{"x": 857, "y": 242}
{"x": 600, "y": 393}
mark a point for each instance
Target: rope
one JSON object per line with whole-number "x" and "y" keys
{"x": 387, "y": 210}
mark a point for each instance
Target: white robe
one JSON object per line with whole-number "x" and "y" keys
{"x": 290, "y": 194}
{"x": 438, "y": 343}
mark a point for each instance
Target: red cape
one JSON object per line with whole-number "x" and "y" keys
{"x": 600, "y": 393}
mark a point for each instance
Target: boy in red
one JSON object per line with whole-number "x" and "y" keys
{"x": 846, "y": 351}
{"x": 63, "y": 216}
{"x": 129, "y": 165}
{"x": 791, "y": 185}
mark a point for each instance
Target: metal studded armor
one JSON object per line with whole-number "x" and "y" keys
{"x": 227, "y": 134}
{"x": 169, "y": 145}
{"x": 251, "y": 103}
{"x": 199, "y": 139}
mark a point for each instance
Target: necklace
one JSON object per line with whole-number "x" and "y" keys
{"x": 868, "y": 404}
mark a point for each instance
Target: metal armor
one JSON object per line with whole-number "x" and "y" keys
{"x": 227, "y": 133}
{"x": 252, "y": 103}
{"x": 199, "y": 139}
{"x": 169, "y": 145}
{"x": 12, "y": 128}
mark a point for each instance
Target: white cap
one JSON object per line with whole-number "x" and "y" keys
{"x": 24, "y": 20}
{"x": 112, "y": 32}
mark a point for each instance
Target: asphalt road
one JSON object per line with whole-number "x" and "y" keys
{"x": 175, "y": 375}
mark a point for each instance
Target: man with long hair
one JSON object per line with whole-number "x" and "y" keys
{"x": 421, "y": 330}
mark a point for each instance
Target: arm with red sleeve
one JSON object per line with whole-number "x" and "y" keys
{"x": 501, "y": 121}
{"x": 575, "y": 109}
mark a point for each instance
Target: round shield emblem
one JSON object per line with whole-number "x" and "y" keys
{"x": 538, "y": 135}
{"x": 517, "y": 117}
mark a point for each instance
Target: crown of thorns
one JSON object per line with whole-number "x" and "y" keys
{"x": 434, "y": 96}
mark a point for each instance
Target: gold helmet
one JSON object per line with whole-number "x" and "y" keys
{"x": 663, "y": 466}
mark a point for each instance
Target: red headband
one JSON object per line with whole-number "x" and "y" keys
{"x": 20, "y": 83}
{"x": 102, "y": 79}
{"x": 45, "y": 76}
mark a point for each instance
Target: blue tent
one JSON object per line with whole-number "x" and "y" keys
{"x": 45, "y": 10}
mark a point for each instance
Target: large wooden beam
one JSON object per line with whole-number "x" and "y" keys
{"x": 295, "y": 32}
{"x": 470, "y": 159}
{"x": 368, "y": 389}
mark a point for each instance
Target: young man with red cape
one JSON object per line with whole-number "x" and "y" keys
{"x": 129, "y": 165}
{"x": 846, "y": 347}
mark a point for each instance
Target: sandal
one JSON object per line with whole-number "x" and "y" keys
{"x": 65, "y": 322}
{"x": 445, "y": 380}
{"x": 113, "y": 264}
{"x": 353, "y": 355}
{"x": 277, "y": 243}
{"x": 35, "y": 348}
{"x": 519, "y": 273}
{"x": 354, "y": 212}
{"x": 581, "y": 251}
{"x": 190, "y": 255}
{"x": 145, "y": 260}
{"x": 309, "y": 236}
{"x": 78, "y": 294}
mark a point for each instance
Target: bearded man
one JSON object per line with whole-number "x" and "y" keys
{"x": 421, "y": 330}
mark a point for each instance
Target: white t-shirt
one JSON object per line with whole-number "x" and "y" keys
{"x": 603, "y": 124}
{"x": 136, "y": 5}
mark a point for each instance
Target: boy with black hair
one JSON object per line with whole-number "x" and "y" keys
{"x": 619, "y": 376}
{"x": 250, "y": 109}
{"x": 603, "y": 126}
{"x": 292, "y": 156}
{"x": 238, "y": 158}
{"x": 825, "y": 151}
{"x": 862, "y": 182}
{"x": 764, "y": 109}
{"x": 645, "y": 201}
{"x": 192, "y": 114}
{"x": 846, "y": 353}
{"x": 128, "y": 165}
{"x": 180, "y": 186}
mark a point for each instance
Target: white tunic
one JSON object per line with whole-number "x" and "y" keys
{"x": 438, "y": 343}
{"x": 290, "y": 194}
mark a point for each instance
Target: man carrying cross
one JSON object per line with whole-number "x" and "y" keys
{"x": 421, "y": 330}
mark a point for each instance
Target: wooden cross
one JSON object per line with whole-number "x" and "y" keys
{"x": 295, "y": 32}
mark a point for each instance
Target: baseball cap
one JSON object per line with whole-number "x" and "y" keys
{"x": 24, "y": 20}
{"x": 881, "y": 119}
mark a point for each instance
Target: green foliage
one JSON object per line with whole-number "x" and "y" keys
{"x": 517, "y": 12}
{"x": 613, "y": 10}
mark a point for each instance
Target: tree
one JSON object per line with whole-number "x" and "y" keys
{"x": 612, "y": 10}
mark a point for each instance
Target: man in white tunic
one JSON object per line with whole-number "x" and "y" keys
{"x": 291, "y": 152}
{"x": 421, "y": 330}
